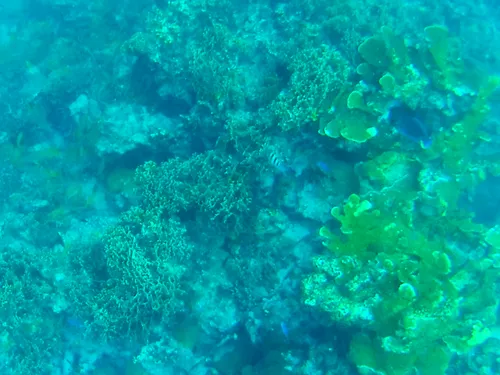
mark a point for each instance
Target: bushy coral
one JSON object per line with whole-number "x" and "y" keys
{"x": 208, "y": 183}
{"x": 31, "y": 334}
{"x": 141, "y": 271}
{"x": 316, "y": 77}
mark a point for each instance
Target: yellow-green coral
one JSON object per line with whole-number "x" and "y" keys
{"x": 374, "y": 52}
{"x": 372, "y": 359}
{"x": 389, "y": 276}
{"x": 355, "y": 100}
{"x": 398, "y": 267}
{"x": 437, "y": 36}
{"x": 388, "y": 83}
{"x": 353, "y": 125}
{"x": 456, "y": 144}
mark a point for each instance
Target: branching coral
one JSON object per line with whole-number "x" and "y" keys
{"x": 144, "y": 255}
{"x": 30, "y": 337}
{"x": 210, "y": 183}
{"x": 134, "y": 280}
{"x": 317, "y": 76}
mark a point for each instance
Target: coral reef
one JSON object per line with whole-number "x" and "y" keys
{"x": 249, "y": 187}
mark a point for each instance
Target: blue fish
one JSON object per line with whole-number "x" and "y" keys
{"x": 409, "y": 123}
{"x": 284, "y": 329}
{"x": 75, "y": 322}
{"x": 323, "y": 166}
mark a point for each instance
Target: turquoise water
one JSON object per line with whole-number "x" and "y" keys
{"x": 249, "y": 187}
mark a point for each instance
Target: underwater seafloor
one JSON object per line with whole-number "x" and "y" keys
{"x": 249, "y": 187}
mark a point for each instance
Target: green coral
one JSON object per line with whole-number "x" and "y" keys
{"x": 388, "y": 276}
{"x": 438, "y": 38}
{"x": 386, "y": 63}
{"x": 371, "y": 359}
{"x": 493, "y": 237}
{"x": 407, "y": 247}
{"x": 355, "y": 100}
{"x": 374, "y": 51}
{"x": 457, "y": 144}
{"x": 351, "y": 124}
{"x": 404, "y": 72}
{"x": 388, "y": 83}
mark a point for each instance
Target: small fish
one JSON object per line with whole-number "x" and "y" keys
{"x": 278, "y": 161}
{"x": 323, "y": 166}
{"x": 75, "y": 322}
{"x": 409, "y": 123}
{"x": 275, "y": 159}
{"x": 284, "y": 329}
